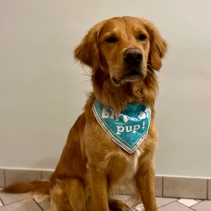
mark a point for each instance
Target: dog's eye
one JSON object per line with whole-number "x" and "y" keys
{"x": 142, "y": 37}
{"x": 111, "y": 39}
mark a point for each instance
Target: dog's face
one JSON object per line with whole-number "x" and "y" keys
{"x": 124, "y": 48}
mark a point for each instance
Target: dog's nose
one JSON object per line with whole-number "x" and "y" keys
{"x": 133, "y": 56}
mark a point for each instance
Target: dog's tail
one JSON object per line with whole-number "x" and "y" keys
{"x": 34, "y": 188}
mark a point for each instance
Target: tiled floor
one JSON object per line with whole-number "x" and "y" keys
{"x": 19, "y": 202}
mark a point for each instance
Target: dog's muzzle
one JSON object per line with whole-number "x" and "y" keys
{"x": 133, "y": 57}
{"x": 132, "y": 60}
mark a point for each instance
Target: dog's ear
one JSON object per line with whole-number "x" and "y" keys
{"x": 87, "y": 51}
{"x": 158, "y": 46}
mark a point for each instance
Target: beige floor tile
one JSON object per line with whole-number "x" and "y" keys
{"x": 24, "y": 205}
{"x": 164, "y": 201}
{"x": 140, "y": 207}
{"x": 13, "y": 176}
{"x": 41, "y": 198}
{"x": 8, "y": 198}
{"x": 188, "y": 202}
{"x": 45, "y": 205}
{"x": 175, "y": 206}
{"x": 2, "y": 178}
{"x": 185, "y": 188}
{"x": 202, "y": 206}
{"x": 1, "y": 204}
{"x": 199, "y": 200}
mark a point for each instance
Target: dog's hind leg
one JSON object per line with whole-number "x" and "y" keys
{"x": 67, "y": 195}
{"x": 75, "y": 194}
{"x": 58, "y": 199}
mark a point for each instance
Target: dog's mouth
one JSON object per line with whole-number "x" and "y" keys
{"x": 132, "y": 76}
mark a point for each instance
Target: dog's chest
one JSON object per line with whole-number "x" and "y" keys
{"x": 123, "y": 166}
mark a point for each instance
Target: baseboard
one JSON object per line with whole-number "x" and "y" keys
{"x": 165, "y": 186}
{"x": 183, "y": 187}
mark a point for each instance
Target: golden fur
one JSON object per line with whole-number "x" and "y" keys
{"x": 92, "y": 167}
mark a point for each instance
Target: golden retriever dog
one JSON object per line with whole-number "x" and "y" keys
{"x": 123, "y": 54}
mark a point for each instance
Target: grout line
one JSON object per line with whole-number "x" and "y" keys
{"x": 37, "y": 204}
{"x": 15, "y": 201}
{"x": 178, "y": 203}
{"x": 191, "y": 205}
{"x": 1, "y": 202}
{"x": 191, "y": 209}
{"x": 197, "y": 204}
{"x": 187, "y": 206}
{"x": 176, "y": 200}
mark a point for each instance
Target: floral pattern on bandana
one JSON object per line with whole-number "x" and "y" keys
{"x": 129, "y": 129}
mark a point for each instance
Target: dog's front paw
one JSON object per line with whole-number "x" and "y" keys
{"x": 118, "y": 205}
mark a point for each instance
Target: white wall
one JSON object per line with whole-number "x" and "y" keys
{"x": 42, "y": 89}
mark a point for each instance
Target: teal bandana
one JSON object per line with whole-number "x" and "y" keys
{"x": 129, "y": 129}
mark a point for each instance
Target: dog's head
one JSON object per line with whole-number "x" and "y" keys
{"x": 124, "y": 48}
